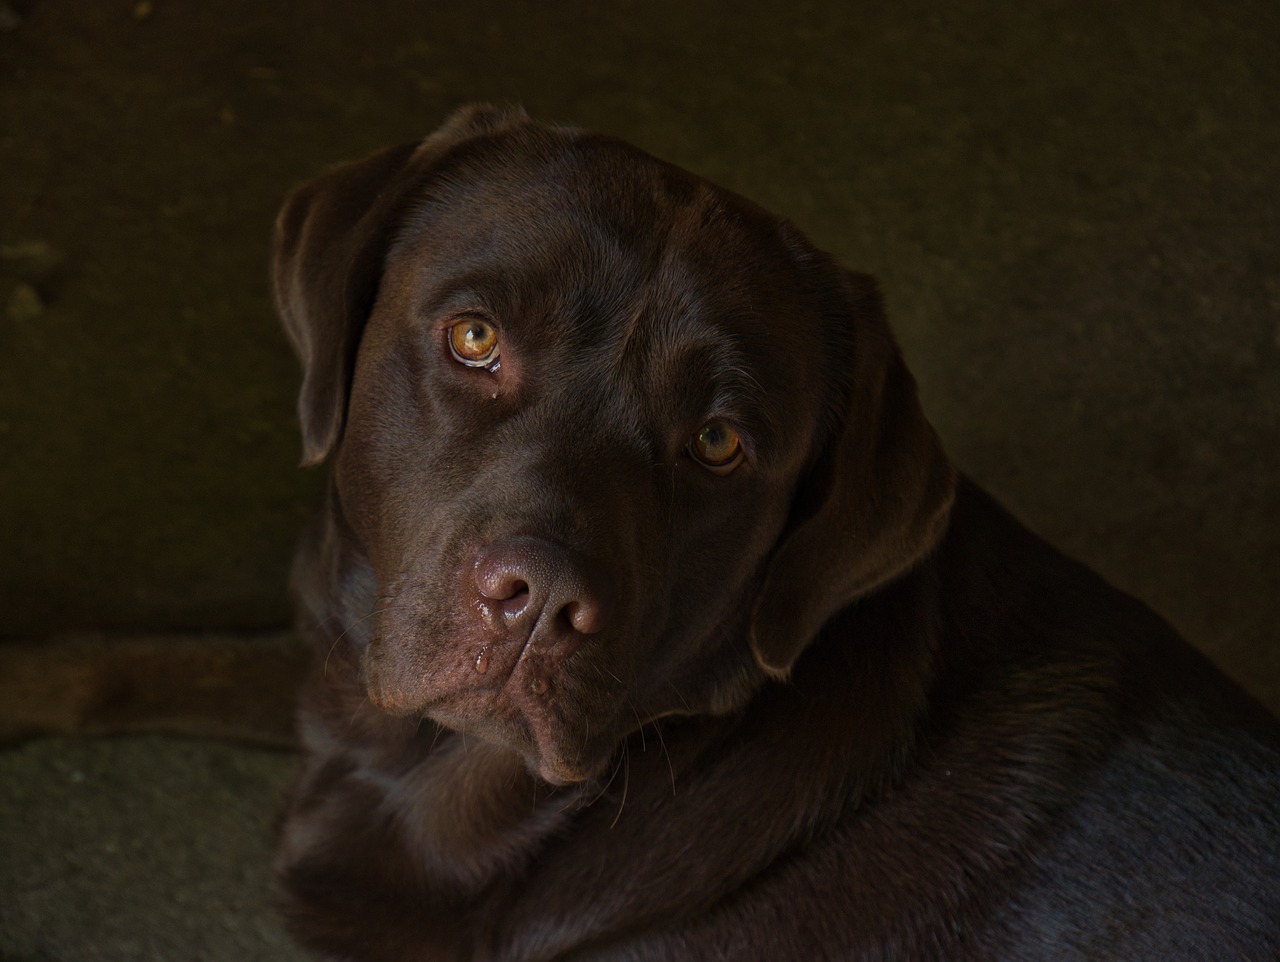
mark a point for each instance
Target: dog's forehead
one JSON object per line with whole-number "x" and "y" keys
{"x": 587, "y": 201}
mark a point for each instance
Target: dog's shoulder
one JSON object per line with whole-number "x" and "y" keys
{"x": 1147, "y": 783}
{"x": 1168, "y": 850}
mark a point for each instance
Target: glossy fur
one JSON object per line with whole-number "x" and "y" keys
{"x": 577, "y": 697}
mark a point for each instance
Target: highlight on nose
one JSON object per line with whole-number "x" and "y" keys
{"x": 540, "y": 587}
{"x": 500, "y": 580}
{"x": 586, "y": 617}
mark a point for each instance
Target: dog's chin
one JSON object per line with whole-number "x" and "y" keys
{"x": 556, "y": 751}
{"x": 549, "y": 750}
{"x": 556, "y": 772}
{"x": 565, "y": 732}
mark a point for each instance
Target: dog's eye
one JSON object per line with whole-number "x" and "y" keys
{"x": 716, "y": 446}
{"x": 474, "y": 342}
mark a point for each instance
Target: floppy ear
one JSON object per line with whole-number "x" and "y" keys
{"x": 874, "y": 503}
{"x": 330, "y": 241}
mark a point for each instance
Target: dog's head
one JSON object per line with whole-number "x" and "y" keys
{"x": 614, "y": 442}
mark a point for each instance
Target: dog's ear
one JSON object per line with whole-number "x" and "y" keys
{"x": 330, "y": 241}
{"x": 875, "y": 500}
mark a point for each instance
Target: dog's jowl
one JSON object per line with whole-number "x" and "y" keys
{"x": 652, "y": 622}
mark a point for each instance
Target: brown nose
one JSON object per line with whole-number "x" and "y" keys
{"x": 539, "y": 590}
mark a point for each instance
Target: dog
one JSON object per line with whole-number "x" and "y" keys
{"x": 652, "y": 622}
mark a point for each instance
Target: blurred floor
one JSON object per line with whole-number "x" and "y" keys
{"x": 139, "y": 848}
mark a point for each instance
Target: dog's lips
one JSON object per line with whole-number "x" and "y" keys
{"x": 545, "y": 742}
{"x": 501, "y": 694}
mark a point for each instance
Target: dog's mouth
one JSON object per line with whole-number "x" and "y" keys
{"x": 519, "y": 697}
{"x": 556, "y": 752}
{"x": 559, "y": 750}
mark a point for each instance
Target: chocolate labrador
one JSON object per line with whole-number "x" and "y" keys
{"x": 653, "y": 623}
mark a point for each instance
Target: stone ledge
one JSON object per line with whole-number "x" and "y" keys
{"x": 236, "y": 687}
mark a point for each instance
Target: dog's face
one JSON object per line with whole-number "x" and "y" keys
{"x": 581, "y": 403}
{"x": 594, "y": 405}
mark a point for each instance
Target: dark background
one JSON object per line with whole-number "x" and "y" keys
{"x": 1073, "y": 209}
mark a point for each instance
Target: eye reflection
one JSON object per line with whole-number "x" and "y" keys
{"x": 717, "y": 447}
{"x": 474, "y": 342}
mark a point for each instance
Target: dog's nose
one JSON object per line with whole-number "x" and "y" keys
{"x": 539, "y": 589}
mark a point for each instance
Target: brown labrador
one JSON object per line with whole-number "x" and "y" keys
{"x": 653, "y": 623}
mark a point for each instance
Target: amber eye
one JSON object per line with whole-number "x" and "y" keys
{"x": 474, "y": 342}
{"x": 717, "y": 446}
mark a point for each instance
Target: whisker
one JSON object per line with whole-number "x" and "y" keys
{"x": 639, "y": 725}
{"x": 324, "y": 671}
{"x": 600, "y": 794}
{"x": 680, "y": 695}
{"x": 626, "y": 784}
{"x": 657, "y": 728}
{"x": 355, "y": 713}
{"x": 352, "y": 627}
